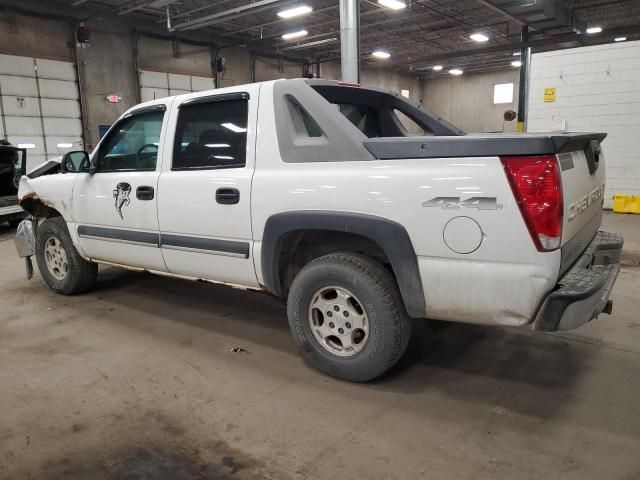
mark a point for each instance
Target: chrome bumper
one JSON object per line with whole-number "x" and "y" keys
{"x": 583, "y": 292}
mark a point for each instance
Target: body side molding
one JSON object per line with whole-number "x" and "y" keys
{"x": 389, "y": 235}
{"x": 162, "y": 240}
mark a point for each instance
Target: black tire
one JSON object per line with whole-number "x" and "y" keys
{"x": 389, "y": 326}
{"x": 14, "y": 222}
{"x": 79, "y": 276}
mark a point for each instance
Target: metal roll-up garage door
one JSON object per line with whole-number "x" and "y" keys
{"x": 39, "y": 106}
{"x": 161, "y": 84}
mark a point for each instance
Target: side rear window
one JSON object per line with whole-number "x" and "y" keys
{"x": 302, "y": 122}
{"x": 211, "y": 135}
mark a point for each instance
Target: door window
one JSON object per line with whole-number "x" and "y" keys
{"x": 211, "y": 135}
{"x": 132, "y": 144}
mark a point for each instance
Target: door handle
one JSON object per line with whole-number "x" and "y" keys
{"x": 144, "y": 192}
{"x": 227, "y": 196}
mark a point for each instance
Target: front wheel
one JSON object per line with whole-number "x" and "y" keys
{"x": 347, "y": 316}
{"x": 60, "y": 264}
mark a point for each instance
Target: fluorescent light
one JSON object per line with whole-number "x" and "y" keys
{"x": 392, "y": 4}
{"x": 234, "y": 128}
{"x": 437, "y": 68}
{"x": 295, "y": 11}
{"x": 516, "y": 54}
{"x": 381, "y": 54}
{"x": 223, "y": 157}
{"x": 594, "y": 29}
{"x": 217, "y": 145}
{"x": 65, "y": 145}
{"x": 619, "y": 39}
{"x": 455, "y": 71}
{"x": 26, "y": 145}
{"x": 291, "y": 35}
{"x": 309, "y": 44}
{"x": 516, "y": 63}
{"x": 479, "y": 37}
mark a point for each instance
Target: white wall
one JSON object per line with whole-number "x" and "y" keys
{"x": 597, "y": 90}
{"x": 467, "y": 101}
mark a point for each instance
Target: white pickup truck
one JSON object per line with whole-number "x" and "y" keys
{"x": 358, "y": 207}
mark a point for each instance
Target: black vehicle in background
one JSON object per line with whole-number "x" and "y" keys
{"x": 13, "y": 161}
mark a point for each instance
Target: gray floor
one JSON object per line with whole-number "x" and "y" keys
{"x": 137, "y": 380}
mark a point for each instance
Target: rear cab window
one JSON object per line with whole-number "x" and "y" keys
{"x": 378, "y": 113}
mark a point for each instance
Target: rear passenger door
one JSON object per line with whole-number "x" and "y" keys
{"x": 204, "y": 189}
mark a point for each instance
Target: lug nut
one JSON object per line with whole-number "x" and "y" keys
{"x": 345, "y": 313}
{"x": 329, "y": 314}
{"x": 348, "y": 325}
{"x": 331, "y": 324}
{"x": 340, "y": 331}
{"x": 336, "y": 308}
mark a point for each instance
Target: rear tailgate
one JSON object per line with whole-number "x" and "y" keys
{"x": 583, "y": 178}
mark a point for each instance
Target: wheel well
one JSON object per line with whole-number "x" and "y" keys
{"x": 299, "y": 247}
{"x": 36, "y": 207}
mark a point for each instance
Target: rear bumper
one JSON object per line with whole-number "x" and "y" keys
{"x": 583, "y": 292}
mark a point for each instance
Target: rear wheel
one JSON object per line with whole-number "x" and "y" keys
{"x": 347, "y": 316}
{"x": 60, "y": 264}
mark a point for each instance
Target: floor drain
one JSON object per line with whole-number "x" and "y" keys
{"x": 630, "y": 260}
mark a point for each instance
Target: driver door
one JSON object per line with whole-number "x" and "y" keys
{"x": 115, "y": 208}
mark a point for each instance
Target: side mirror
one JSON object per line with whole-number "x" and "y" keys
{"x": 77, "y": 161}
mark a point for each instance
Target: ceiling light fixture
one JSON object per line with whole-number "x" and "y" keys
{"x": 516, "y": 63}
{"x": 26, "y": 145}
{"x": 619, "y": 39}
{"x": 381, "y": 54}
{"x": 456, "y": 71}
{"x": 591, "y": 30}
{"x": 65, "y": 145}
{"x": 309, "y": 44}
{"x": 292, "y": 35}
{"x": 479, "y": 37}
{"x": 295, "y": 11}
{"x": 392, "y": 4}
{"x": 437, "y": 68}
{"x": 516, "y": 54}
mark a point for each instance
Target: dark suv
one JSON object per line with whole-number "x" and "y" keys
{"x": 13, "y": 162}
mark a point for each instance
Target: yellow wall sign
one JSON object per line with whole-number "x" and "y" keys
{"x": 550, "y": 94}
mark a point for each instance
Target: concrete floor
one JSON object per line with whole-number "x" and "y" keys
{"x": 137, "y": 380}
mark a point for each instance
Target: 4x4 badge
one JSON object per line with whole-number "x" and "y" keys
{"x": 454, "y": 203}
{"x": 121, "y": 194}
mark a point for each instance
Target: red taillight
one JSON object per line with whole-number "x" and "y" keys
{"x": 348, "y": 84}
{"x": 536, "y": 185}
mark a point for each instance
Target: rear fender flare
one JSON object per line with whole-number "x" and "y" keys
{"x": 392, "y": 238}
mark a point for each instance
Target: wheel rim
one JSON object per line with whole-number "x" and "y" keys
{"x": 338, "y": 321}
{"x": 55, "y": 257}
